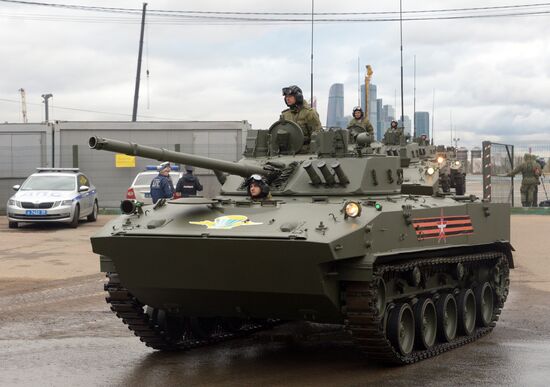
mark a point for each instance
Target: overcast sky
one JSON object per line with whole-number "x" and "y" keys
{"x": 492, "y": 75}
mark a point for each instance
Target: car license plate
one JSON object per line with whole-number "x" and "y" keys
{"x": 148, "y": 195}
{"x": 36, "y": 212}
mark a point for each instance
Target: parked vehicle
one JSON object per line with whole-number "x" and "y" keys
{"x": 140, "y": 189}
{"x": 53, "y": 195}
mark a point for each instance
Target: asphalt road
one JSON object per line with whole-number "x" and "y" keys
{"x": 56, "y": 329}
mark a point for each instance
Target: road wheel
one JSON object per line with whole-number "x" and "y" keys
{"x": 484, "y": 300}
{"x": 466, "y": 312}
{"x": 381, "y": 297}
{"x": 401, "y": 328}
{"x": 76, "y": 216}
{"x": 446, "y": 317}
{"x": 425, "y": 318}
{"x": 93, "y": 216}
{"x": 12, "y": 224}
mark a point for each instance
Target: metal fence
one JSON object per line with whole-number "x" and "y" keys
{"x": 500, "y": 159}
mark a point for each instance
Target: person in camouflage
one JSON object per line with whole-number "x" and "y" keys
{"x": 394, "y": 135}
{"x": 359, "y": 119}
{"x": 530, "y": 170}
{"x": 299, "y": 112}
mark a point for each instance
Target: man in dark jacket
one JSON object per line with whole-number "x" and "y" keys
{"x": 162, "y": 186}
{"x": 188, "y": 185}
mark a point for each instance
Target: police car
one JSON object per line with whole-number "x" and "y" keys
{"x": 140, "y": 189}
{"x": 53, "y": 195}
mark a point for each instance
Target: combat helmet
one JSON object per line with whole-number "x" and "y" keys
{"x": 357, "y": 109}
{"x": 296, "y": 92}
{"x": 261, "y": 182}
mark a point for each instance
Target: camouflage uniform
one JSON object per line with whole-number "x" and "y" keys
{"x": 308, "y": 120}
{"x": 362, "y": 122}
{"x": 530, "y": 170}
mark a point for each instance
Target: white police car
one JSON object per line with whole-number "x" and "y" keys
{"x": 140, "y": 189}
{"x": 53, "y": 195}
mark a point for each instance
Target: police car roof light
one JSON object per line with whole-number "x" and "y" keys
{"x": 58, "y": 170}
{"x": 155, "y": 168}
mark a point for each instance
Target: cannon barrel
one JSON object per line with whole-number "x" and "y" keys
{"x": 162, "y": 154}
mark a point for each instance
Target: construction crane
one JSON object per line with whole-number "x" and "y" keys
{"x": 368, "y": 76}
{"x": 23, "y": 105}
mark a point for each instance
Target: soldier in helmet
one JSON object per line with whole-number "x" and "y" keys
{"x": 257, "y": 187}
{"x": 299, "y": 112}
{"x": 161, "y": 186}
{"x": 530, "y": 170}
{"x": 394, "y": 135}
{"x": 188, "y": 184}
{"x": 359, "y": 119}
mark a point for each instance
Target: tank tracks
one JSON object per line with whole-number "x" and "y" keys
{"x": 154, "y": 328}
{"x": 367, "y": 326}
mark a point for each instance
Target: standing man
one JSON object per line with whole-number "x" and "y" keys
{"x": 359, "y": 119}
{"x": 299, "y": 112}
{"x": 188, "y": 185}
{"x": 530, "y": 170}
{"x": 162, "y": 186}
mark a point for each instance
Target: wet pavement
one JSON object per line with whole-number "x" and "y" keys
{"x": 60, "y": 332}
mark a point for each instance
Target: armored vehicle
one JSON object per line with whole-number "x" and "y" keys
{"x": 452, "y": 172}
{"x": 409, "y": 276}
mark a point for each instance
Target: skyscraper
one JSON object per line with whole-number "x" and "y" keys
{"x": 335, "y": 111}
{"x": 422, "y": 120}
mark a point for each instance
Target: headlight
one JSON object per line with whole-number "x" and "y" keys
{"x": 457, "y": 163}
{"x": 11, "y": 202}
{"x": 440, "y": 159}
{"x": 430, "y": 171}
{"x": 66, "y": 202}
{"x": 352, "y": 209}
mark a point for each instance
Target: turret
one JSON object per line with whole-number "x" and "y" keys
{"x": 327, "y": 168}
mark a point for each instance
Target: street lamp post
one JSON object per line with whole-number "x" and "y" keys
{"x": 46, "y": 98}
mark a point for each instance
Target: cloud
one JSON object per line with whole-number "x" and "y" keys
{"x": 492, "y": 74}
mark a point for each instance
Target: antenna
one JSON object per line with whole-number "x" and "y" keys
{"x": 451, "y": 118}
{"x": 358, "y": 82}
{"x": 433, "y": 114}
{"x": 312, "y": 13}
{"x": 147, "y": 65}
{"x": 414, "y": 100}
{"x": 401, "y": 33}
